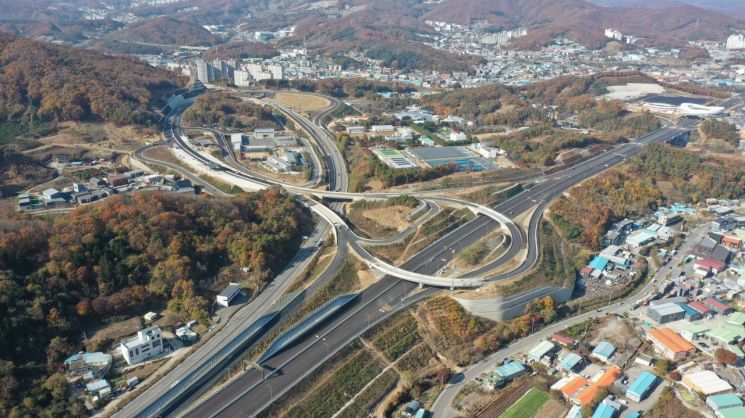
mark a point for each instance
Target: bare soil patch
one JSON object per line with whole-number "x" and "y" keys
{"x": 302, "y": 102}
{"x": 162, "y": 154}
{"x": 553, "y": 409}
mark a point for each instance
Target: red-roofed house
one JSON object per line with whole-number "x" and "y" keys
{"x": 586, "y": 272}
{"x": 709, "y": 264}
{"x": 563, "y": 340}
{"x": 731, "y": 242}
{"x": 717, "y": 306}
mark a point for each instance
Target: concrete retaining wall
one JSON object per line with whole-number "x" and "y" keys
{"x": 504, "y": 308}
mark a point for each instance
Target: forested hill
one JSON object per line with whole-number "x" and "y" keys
{"x": 118, "y": 259}
{"x": 43, "y": 82}
{"x": 166, "y": 31}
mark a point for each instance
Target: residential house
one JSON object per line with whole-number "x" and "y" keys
{"x": 147, "y": 344}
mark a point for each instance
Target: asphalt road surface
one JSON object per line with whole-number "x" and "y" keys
{"x": 442, "y": 407}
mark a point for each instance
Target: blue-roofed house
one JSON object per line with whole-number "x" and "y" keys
{"x": 599, "y": 263}
{"x": 571, "y": 362}
{"x": 510, "y": 370}
{"x": 604, "y": 411}
{"x": 421, "y": 413}
{"x": 641, "y": 386}
{"x": 603, "y": 351}
{"x": 634, "y": 414}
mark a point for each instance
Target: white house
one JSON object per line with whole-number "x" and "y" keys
{"x": 456, "y": 136}
{"x": 148, "y": 343}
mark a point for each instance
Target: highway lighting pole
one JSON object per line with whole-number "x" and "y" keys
{"x": 258, "y": 366}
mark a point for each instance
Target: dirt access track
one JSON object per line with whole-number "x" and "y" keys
{"x": 302, "y": 102}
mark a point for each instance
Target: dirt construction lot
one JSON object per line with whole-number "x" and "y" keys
{"x": 302, "y": 102}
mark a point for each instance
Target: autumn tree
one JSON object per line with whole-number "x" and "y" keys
{"x": 724, "y": 356}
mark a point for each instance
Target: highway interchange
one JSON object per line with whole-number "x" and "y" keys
{"x": 249, "y": 393}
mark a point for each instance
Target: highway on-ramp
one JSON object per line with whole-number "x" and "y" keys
{"x": 248, "y": 394}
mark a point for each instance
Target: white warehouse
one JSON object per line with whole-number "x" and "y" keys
{"x": 227, "y": 295}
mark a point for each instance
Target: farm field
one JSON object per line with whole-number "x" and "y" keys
{"x": 527, "y": 406}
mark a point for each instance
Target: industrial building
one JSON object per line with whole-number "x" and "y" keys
{"x": 641, "y": 386}
{"x": 640, "y": 238}
{"x": 670, "y": 344}
{"x": 690, "y": 313}
{"x": 666, "y": 312}
{"x": 706, "y": 383}
{"x": 727, "y": 405}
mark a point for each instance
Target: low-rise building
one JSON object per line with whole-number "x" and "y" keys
{"x": 457, "y": 136}
{"x": 714, "y": 266}
{"x": 510, "y": 369}
{"x": 83, "y": 363}
{"x": 641, "y": 386}
{"x": 706, "y": 382}
{"x": 147, "y": 344}
{"x": 383, "y": 130}
{"x": 604, "y": 410}
{"x": 717, "y": 306}
{"x": 356, "y": 130}
{"x": 701, "y": 308}
{"x": 96, "y": 386}
{"x": 670, "y": 344}
{"x": 669, "y": 218}
{"x": 666, "y": 312}
{"x": 726, "y": 405}
{"x": 228, "y": 294}
{"x": 690, "y": 313}
{"x": 571, "y": 362}
{"x": 640, "y": 238}
{"x": 116, "y": 180}
{"x": 542, "y": 349}
{"x": 264, "y": 133}
{"x": 604, "y": 351}
{"x": 563, "y": 340}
